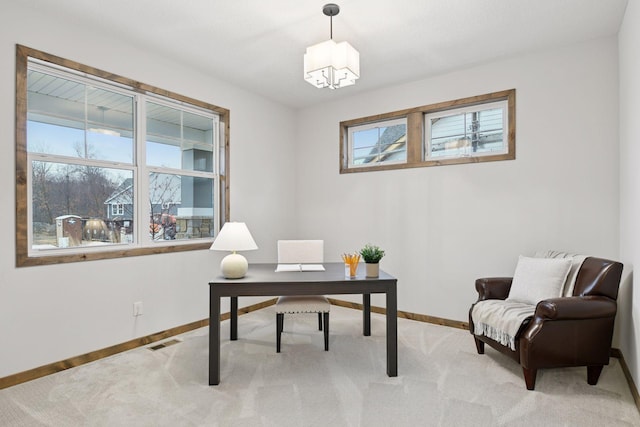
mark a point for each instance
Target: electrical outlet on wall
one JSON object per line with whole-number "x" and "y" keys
{"x": 137, "y": 309}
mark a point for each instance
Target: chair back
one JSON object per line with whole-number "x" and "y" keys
{"x": 598, "y": 277}
{"x": 300, "y": 251}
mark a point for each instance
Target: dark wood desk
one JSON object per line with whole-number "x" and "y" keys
{"x": 262, "y": 280}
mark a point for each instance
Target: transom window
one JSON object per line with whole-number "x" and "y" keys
{"x": 109, "y": 167}
{"x": 477, "y": 130}
{"x": 470, "y": 130}
{"x": 378, "y": 143}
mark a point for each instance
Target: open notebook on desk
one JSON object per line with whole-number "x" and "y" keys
{"x": 299, "y": 267}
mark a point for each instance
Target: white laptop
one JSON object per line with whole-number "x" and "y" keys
{"x": 300, "y": 255}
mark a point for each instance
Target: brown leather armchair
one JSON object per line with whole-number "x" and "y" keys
{"x": 566, "y": 331}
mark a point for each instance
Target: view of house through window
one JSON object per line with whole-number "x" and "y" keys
{"x": 378, "y": 143}
{"x": 108, "y": 166}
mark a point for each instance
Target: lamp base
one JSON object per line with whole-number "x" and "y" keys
{"x": 234, "y": 266}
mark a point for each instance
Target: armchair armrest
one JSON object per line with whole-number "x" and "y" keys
{"x": 555, "y": 322}
{"x": 493, "y": 287}
{"x": 573, "y": 308}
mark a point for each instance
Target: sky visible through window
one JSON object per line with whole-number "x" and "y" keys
{"x": 66, "y": 141}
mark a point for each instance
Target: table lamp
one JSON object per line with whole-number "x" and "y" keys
{"x": 234, "y": 236}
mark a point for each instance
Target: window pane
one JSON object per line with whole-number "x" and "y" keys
{"x": 377, "y": 144}
{"x": 179, "y": 139}
{"x": 109, "y": 126}
{"x": 466, "y": 134}
{"x": 54, "y": 139}
{"x": 72, "y": 119}
{"x": 70, "y": 205}
{"x": 181, "y": 207}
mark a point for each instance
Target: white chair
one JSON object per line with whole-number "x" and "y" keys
{"x": 302, "y": 252}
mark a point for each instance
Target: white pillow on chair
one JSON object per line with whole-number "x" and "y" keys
{"x": 537, "y": 279}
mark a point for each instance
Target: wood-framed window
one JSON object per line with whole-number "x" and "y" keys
{"x": 468, "y": 130}
{"x": 378, "y": 143}
{"x": 109, "y": 167}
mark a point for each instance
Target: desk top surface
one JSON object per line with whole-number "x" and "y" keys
{"x": 334, "y": 272}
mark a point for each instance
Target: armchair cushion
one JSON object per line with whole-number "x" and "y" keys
{"x": 536, "y": 279}
{"x": 500, "y": 320}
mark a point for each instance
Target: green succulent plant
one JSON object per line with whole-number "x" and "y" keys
{"x": 371, "y": 253}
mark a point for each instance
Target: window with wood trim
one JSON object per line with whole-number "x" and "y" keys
{"x": 475, "y": 130}
{"x": 109, "y": 167}
{"x": 469, "y": 130}
{"x": 378, "y": 143}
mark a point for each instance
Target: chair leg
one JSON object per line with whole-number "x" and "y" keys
{"x": 593, "y": 374}
{"x": 279, "y": 328}
{"x": 479, "y": 345}
{"x": 530, "y": 377}
{"x": 326, "y": 331}
{"x": 319, "y": 321}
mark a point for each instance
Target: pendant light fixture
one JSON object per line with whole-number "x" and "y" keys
{"x": 329, "y": 64}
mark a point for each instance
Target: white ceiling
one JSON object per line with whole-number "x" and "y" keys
{"x": 259, "y": 44}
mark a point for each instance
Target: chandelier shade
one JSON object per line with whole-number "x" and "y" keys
{"x": 329, "y": 64}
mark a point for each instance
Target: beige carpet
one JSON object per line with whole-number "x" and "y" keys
{"x": 441, "y": 382}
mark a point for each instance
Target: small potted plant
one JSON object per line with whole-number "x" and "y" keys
{"x": 372, "y": 255}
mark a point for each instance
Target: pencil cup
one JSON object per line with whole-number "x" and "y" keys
{"x": 350, "y": 264}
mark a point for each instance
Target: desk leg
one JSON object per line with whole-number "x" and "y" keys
{"x": 392, "y": 331}
{"x": 233, "y": 317}
{"x": 366, "y": 315}
{"x": 214, "y": 338}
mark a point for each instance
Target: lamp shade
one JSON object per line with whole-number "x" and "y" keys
{"x": 331, "y": 65}
{"x": 234, "y": 236}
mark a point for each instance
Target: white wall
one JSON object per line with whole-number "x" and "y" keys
{"x": 629, "y": 45}
{"x": 443, "y": 227}
{"x": 56, "y": 312}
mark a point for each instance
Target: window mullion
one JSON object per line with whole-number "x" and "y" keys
{"x": 414, "y": 138}
{"x": 218, "y": 170}
{"x": 141, "y": 198}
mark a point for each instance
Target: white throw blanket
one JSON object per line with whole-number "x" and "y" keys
{"x": 500, "y": 320}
